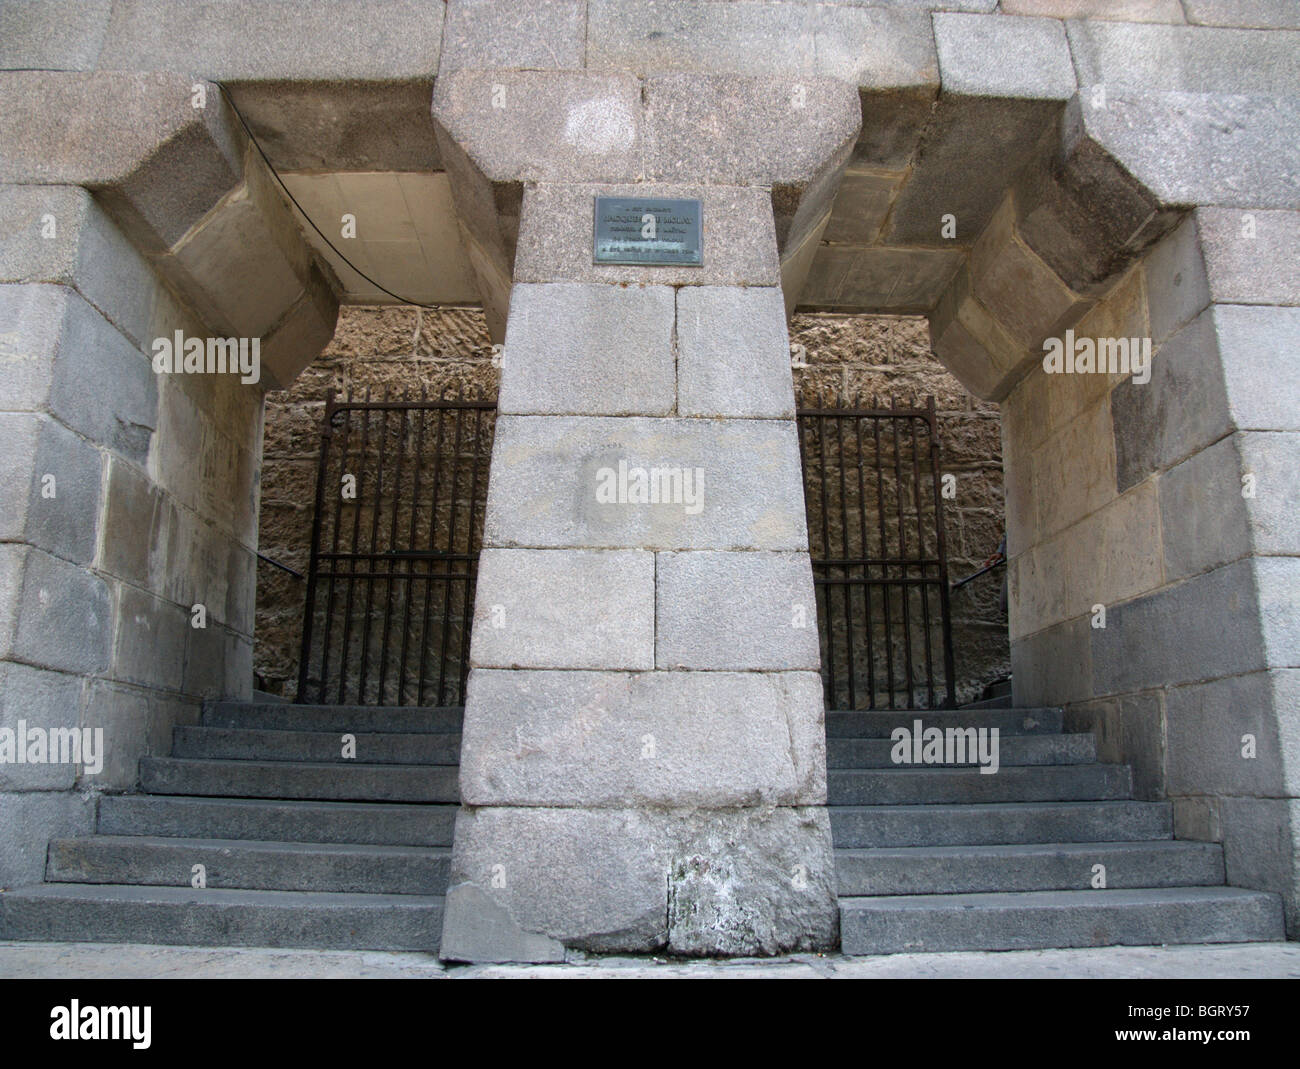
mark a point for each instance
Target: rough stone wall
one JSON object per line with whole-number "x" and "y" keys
{"x": 404, "y": 349}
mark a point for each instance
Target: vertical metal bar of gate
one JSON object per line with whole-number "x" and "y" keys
{"x": 403, "y": 555}
{"x": 861, "y": 670}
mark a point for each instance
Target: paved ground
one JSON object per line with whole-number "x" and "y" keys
{"x": 135, "y": 960}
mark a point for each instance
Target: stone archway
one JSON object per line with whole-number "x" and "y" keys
{"x": 1084, "y": 197}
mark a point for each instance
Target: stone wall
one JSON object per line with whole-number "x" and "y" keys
{"x": 404, "y": 349}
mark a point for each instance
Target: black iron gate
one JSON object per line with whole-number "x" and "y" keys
{"x": 875, "y": 531}
{"x": 400, "y": 493}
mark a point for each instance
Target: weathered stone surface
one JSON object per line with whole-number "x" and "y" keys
{"x": 135, "y": 724}
{"x": 32, "y": 819}
{"x": 871, "y": 47}
{"x": 140, "y": 517}
{"x": 1170, "y": 11}
{"x": 149, "y": 640}
{"x": 1205, "y": 521}
{"x": 52, "y": 34}
{"x": 1271, "y": 460}
{"x": 739, "y": 240}
{"x": 63, "y": 615}
{"x": 861, "y": 205}
{"x": 1081, "y": 212}
{"x": 547, "y": 470}
{"x": 892, "y": 122}
{"x": 501, "y": 35}
{"x": 1177, "y": 288}
{"x": 158, "y": 164}
{"x": 587, "y": 878}
{"x": 735, "y": 611}
{"x": 998, "y": 56}
{"x": 1232, "y": 150}
{"x": 751, "y": 881}
{"x": 797, "y": 144}
{"x": 564, "y": 608}
{"x": 1250, "y": 255}
{"x": 1038, "y": 589}
{"x": 476, "y": 929}
{"x": 1113, "y": 554}
{"x": 68, "y": 359}
{"x": 733, "y": 353}
{"x": 541, "y": 126}
{"x": 600, "y": 739}
{"x": 1260, "y": 839}
{"x": 1204, "y": 628}
{"x": 1263, "y": 14}
{"x": 1074, "y": 470}
{"x": 973, "y": 345}
{"x": 341, "y": 126}
{"x": 46, "y": 702}
{"x": 298, "y": 39}
{"x": 1255, "y": 345}
{"x": 1129, "y": 729}
{"x": 1185, "y": 58}
{"x": 577, "y": 348}
{"x": 51, "y": 484}
{"x": 1017, "y": 287}
{"x": 1054, "y": 666}
{"x": 971, "y": 149}
{"x": 1207, "y": 725}
{"x": 875, "y": 279}
{"x": 701, "y": 883}
{"x": 300, "y": 334}
{"x": 1178, "y": 412}
{"x": 1277, "y": 579}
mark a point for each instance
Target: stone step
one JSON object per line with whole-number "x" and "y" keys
{"x": 284, "y": 779}
{"x": 878, "y": 724}
{"x": 264, "y": 698}
{"x": 1001, "y": 701}
{"x": 112, "y": 913}
{"x": 240, "y": 744}
{"x": 346, "y": 868}
{"x": 932, "y": 870}
{"x": 1079, "y": 749}
{"x": 1043, "y": 919}
{"x": 282, "y": 716}
{"x": 941, "y": 786}
{"x": 276, "y": 821}
{"x": 1023, "y": 822}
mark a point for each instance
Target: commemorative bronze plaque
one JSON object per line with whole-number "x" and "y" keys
{"x": 645, "y": 230}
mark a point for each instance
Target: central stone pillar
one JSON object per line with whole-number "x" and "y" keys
{"x": 643, "y": 760}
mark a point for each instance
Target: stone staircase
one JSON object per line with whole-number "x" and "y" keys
{"x": 301, "y": 847}
{"x": 946, "y": 858}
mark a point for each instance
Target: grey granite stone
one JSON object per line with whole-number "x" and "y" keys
{"x": 593, "y": 349}
{"x": 735, "y": 611}
{"x": 558, "y": 481}
{"x": 654, "y": 739}
{"x": 564, "y": 608}
{"x": 733, "y": 353}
